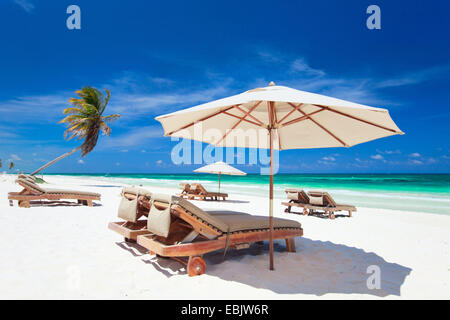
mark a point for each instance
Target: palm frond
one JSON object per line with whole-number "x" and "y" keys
{"x": 111, "y": 118}
{"x": 84, "y": 120}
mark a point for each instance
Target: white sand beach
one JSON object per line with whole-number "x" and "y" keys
{"x": 67, "y": 252}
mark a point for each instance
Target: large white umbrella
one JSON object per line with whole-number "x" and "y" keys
{"x": 292, "y": 119}
{"x": 220, "y": 168}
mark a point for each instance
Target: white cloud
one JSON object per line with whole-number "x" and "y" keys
{"x": 80, "y": 161}
{"x": 134, "y": 137}
{"x": 117, "y": 163}
{"x": 415, "y": 155}
{"x": 25, "y": 4}
{"x": 416, "y": 77}
{"x": 30, "y": 108}
{"x": 377, "y": 157}
{"x": 329, "y": 158}
{"x": 389, "y": 152}
{"x": 416, "y": 161}
{"x": 159, "y": 162}
{"x": 300, "y": 65}
{"x": 15, "y": 157}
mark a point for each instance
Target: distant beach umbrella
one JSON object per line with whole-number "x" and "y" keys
{"x": 292, "y": 119}
{"x": 220, "y": 168}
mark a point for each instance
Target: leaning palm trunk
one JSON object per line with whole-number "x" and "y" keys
{"x": 57, "y": 159}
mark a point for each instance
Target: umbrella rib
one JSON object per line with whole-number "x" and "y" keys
{"x": 291, "y": 112}
{"x": 202, "y": 119}
{"x": 237, "y": 123}
{"x": 301, "y": 118}
{"x": 359, "y": 119}
{"x": 254, "y": 118}
{"x": 246, "y": 120}
{"x": 322, "y": 127}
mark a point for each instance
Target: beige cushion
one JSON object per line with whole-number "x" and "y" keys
{"x": 241, "y": 221}
{"x": 30, "y": 185}
{"x": 128, "y": 209}
{"x": 327, "y": 200}
{"x": 137, "y": 191}
{"x": 158, "y": 221}
{"x": 227, "y": 221}
{"x": 316, "y": 200}
{"x": 193, "y": 209}
{"x": 298, "y": 195}
{"x": 75, "y": 192}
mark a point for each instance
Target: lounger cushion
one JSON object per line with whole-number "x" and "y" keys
{"x": 327, "y": 200}
{"x": 137, "y": 191}
{"x": 27, "y": 177}
{"x": 158, "y": 221}
{"x": 128, "y": 209}
{"x": 31, "y": 185}
{"x": 298, "y": 195}
{"x": 227, "y": 221}
{"x": 316, "y": 200}
{"x": 193, "y": 209}
{"x": 74, "y": 192}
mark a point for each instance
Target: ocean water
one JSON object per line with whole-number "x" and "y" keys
{"x": 429, "y": 193}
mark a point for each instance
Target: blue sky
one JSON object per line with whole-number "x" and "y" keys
{"x": 158, "y": 57}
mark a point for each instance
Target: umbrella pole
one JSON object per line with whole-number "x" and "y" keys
{"x": 271, "y": 202}
{"x": 219, "y": 181}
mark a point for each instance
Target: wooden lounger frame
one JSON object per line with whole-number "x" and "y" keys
{"x": 309, "y": 208}
{"x": 192, "y": 237}
{"x": 27, "y": 194}
{"x": 201, "y": 193}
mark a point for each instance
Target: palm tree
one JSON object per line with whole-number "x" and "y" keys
{"x": 85, "y": 120}
{"x": 11, "y": 165}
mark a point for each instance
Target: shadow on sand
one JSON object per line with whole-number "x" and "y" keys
{"x": 316, "y": 268}
{"x": 101, "y": 186}
{"x": 59, "y": 204}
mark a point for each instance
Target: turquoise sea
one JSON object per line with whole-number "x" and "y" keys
{"x": 429, "y": 193}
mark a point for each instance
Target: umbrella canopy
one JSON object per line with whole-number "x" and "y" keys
{"x": 220, "y": 168}
{"x": 302, "y": 120}
{"x": 292, "y": 118}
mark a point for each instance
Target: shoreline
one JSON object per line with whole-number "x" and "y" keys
{"x": 413, "y": 201}
{"x": 411, "y": 249}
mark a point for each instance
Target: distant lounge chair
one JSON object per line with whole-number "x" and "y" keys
{"x": 187, "y": 191}
{"x": 315, "y": 201}
{"x": 177, "y": 228}
{"x": 198, "y": 191}
{"x": 135, "y": 203}
{"x": 297, "y": 198}
{"x": 32, "y": 191}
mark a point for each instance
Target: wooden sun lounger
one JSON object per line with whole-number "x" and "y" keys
{"x": 32, "y": 191}
{"x": 187, "y": 192}
{"x": 131, "y": 227}
{"x": 197, "y": 191}
{"x": 315, "y": 201}
{"x": 193, "y": 232}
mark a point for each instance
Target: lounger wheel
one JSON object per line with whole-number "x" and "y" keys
{"x": 196, "y": 266}
{"x": 129, "y": 240}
